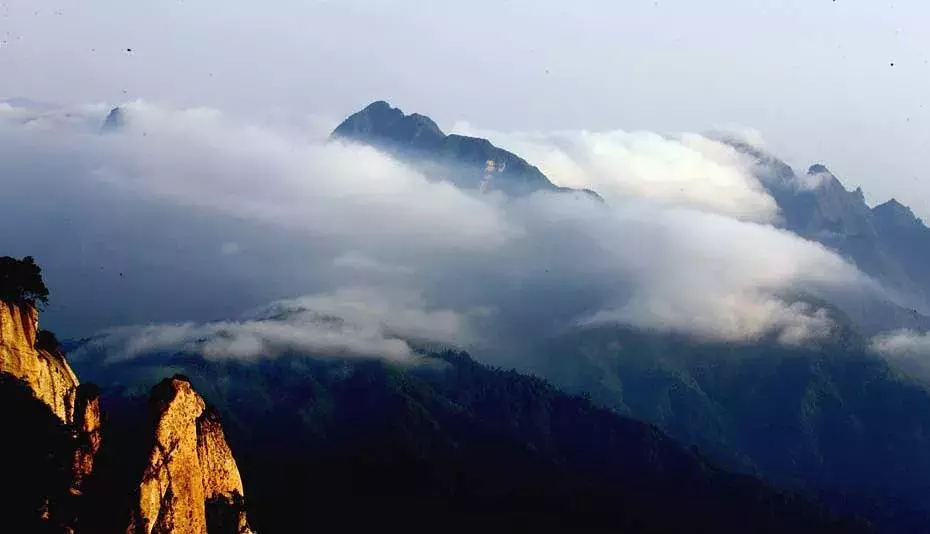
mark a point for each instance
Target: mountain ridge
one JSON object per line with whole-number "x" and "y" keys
{"x": 468, "y": 162}
{"x": 882, "y": 241}
{"x": 834, "y": 420}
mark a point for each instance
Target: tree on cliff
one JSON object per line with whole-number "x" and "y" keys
{"x": 21, "y": 281}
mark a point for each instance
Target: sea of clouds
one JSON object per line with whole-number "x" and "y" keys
{"x": 172, "y": 231}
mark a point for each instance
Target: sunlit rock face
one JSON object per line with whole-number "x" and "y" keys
{"x": 87, "y": 426}
{"x": 191, "y": 483}
{"x": 43, "y": 368}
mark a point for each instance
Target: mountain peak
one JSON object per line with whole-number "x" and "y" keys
{"x": 818, "y": 168}
{"x": 378, "y": 104}
{"x": 115, "y": 120}
{"x": 823, "y": 177}
{"x": 469, "y": 162}
{"x": 190, "y": 470}
{"x": 381, "y": 124}
{"x": 895, "y": 213}
{"x": 381, "y": 107}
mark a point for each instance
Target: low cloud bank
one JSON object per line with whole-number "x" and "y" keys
{"x": 687, "y": 170}
{"x": 905, "y": 350}
{"x": 354, "y": 322}
{"x": 903, "y": 344}
{"x": 186, "y": 218}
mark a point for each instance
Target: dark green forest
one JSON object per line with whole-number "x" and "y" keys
{"x": 452, "y": 444}
{"x": 833, "y": 420}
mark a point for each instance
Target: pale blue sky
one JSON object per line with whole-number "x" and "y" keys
{"x": 814, "y": 76}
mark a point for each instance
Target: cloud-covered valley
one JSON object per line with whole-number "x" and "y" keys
{"x": 185, "y": 219}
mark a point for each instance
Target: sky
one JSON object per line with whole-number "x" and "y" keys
{"x": 841, "y": 82}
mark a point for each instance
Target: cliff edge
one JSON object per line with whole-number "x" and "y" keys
{"x": 42, "y": 367}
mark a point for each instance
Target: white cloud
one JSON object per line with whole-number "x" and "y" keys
{"x": 812, "y": 181}
{"x": 674, "y": 248}
{"x": 399, "y": 312}
{"x": 905, "y": 350}
{"x": 903, "y": 344}
{"x": 713, "y": 276}
{"x": 739, "y": 316}
{"x": 199, "y": 158}
{"x": 688, "y": 170}
{"x": 743, "y": 134}
{"x": 359, "y": 261}
{"x": 351, "y": 323}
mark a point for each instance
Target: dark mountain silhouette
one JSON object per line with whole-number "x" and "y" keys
{"x": 468, "y": 162}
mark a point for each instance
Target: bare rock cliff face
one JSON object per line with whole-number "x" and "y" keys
{"x": 191, "y": 483}
{"x": 46, "y": 371}
{"x": 87, "y": 426}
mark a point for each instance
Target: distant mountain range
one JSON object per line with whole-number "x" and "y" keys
{"x": 886, "y": 242}
{"x": 833, "y": 420}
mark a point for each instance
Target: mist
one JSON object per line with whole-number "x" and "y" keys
{"x": 173, "y": 231}
{"x": 684, "y": 170}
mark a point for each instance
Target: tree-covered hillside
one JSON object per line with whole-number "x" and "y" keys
{"x": 832, "y": 420}
{"x": 453, "y": 445}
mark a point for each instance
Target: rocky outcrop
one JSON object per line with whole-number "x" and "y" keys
{"x": 44, "y": 368}
{"x": 61, "y": 477}
{"x": 220, "y": 473}
{"x": 34, "y": 357}
{"x": 87, "y": 426}
{"x": 191, "y": 481}
{"x": 895, "y": 214}
{"x": 115, "y": 120}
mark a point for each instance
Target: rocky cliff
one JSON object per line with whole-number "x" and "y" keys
{"x": 44, "y": 368}
{"x": 191, "y": 482}
{"x": 88, "y": 434}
